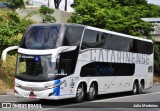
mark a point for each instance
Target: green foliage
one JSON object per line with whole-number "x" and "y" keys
{"x": 46, "y": 14}
{"x": 122, "y": 16}
{"x": 10, "y": 29}
{"x": 157, "y": 56}
{"x": 7, "y": 73}
{"x": 14, "y": 4}
{"x": 113, "y": 15}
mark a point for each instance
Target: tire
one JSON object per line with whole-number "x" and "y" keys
{"x": 135, "y": 88}
{"x": 92, "y": 92}
{"x": 80, "y": 93}
{"x": 140, "y": 89}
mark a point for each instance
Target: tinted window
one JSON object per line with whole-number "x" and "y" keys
{"x": 40, "y": 37}
{"x": 95, "y": 39}
{"x": 92, "y": 39}
{"x": 107, "y": 69}
{"x": 73, "y": 36}
{"x": 114, "y": 42}
{"x": 142, "y": 47}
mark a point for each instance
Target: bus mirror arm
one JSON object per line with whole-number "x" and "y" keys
{"x": 4, "y": 53}
{"x": 59, "y": 50}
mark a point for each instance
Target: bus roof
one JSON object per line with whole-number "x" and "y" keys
{"x": 92, "y": 28}
{"x": 51, "y": 24}
{"x": 120, "y": 34}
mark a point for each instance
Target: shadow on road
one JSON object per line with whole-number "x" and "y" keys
{"x": 63, "y": 102}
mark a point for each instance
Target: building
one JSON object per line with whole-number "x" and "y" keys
{"x": 156, "y": 32}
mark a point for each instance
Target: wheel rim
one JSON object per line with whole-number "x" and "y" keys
{"x": 92, "y": 91}
{"x": 134, "y": 89}
{"x": 80, "y": 93}
{"x": 140, "y": 88}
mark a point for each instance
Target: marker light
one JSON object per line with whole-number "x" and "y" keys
{"x": 37, "y": 59}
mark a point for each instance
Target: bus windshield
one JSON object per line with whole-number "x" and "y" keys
{"x": 35, "y": 68}
{"x": 40, "y": 37}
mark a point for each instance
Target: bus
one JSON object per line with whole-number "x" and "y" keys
{"x": 57, "y": 61}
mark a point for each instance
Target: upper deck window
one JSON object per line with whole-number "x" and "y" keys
{"x": 92, "y": 39}
{"x": 40, "y": 37}
{"x": 73, "y": 36}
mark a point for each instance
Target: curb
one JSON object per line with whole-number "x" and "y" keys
{"x": 3, "y": 93}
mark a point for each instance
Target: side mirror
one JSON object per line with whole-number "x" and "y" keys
{"x": 59, "y": 50}
{"x": 4, "y": 53}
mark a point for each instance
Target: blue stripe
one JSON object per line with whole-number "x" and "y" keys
{"x": 56, "y": 90}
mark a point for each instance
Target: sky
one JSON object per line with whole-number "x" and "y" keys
{"x": 157, "y": 2}
{"x": 69, "y": 9}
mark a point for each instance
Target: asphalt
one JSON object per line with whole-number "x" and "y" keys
{"x": 112, "y": 102}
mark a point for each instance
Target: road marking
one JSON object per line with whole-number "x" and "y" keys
{"x": 125, "y": 97}
{"x": 104, "y": 100}
{"x": 11, "y": 101}
{"x": 4, "y": 95}
{"x": 45, "y": 109}
{"x": 74, "y": 104}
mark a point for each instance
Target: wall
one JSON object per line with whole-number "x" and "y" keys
{"x": 61, "y": 16}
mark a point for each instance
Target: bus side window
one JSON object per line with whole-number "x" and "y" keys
{"x": 115, "y": 42}
{"x": 142, "y": 47}
{"x": 72, "y": 36}
{"x": 92, "y": 39}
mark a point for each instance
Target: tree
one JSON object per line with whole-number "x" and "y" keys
{"x": 56, "y": 3}
{"x": 14, "y": 4}
{"x": 46, "y": 14}
{"x": 122, "y": 16}
{"x": 11, "y": 25}
{"x": 111, "y": 16}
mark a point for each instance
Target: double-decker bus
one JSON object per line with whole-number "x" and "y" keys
{"x": 57, "y": 61}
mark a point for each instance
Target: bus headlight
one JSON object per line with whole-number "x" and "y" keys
{"x": 50, "y": 86}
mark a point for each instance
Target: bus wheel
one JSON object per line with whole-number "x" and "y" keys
{"x": 80, "y": 93}
{"x": 92, "y": 92}
{"x": 141, "y": 87}
{"x": 135, "y": 88}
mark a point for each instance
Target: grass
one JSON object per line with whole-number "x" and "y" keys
{"x": 7, "y": 73}
{"x": 156, "y": 78}
{"x": 3, "y": 13}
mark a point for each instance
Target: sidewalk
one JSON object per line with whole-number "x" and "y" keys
{"x": 3, "y": 93}
{"x": 6, "y": 92}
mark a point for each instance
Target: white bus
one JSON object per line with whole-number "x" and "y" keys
{"x": 57, "y": 61}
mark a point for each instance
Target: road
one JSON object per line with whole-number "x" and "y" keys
{"x": 149, "y": 100}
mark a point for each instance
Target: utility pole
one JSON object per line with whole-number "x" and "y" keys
{"x": 48, "y": 3}
{"x": 65, "y": 8}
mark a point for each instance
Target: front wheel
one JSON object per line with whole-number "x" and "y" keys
{"x": 80, "y": 93}
{"x": 92, "y": 92}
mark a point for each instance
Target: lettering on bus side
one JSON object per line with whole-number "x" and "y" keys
{"x": 104, "y": 55}
{"x": 107, "y": 69}
{"x": 102, "y": 70}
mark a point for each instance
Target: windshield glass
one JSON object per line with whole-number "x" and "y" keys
{"x": 40, "y": 37}
{"x": 36, "y": 68}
